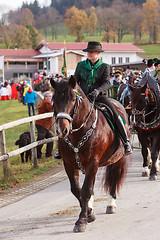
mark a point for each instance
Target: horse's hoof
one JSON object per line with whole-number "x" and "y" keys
{"x": 110, "y": 210}
{"x": 153, "y": 178}
{"x": 145, "y": 174}
{"x": 79, "y": 228}
{"x": 91, "y": 218}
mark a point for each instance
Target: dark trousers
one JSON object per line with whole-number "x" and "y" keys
{"x": 104, "y": 99}
{"x": 44, "y": 133}
{"x": 31, "y": 105}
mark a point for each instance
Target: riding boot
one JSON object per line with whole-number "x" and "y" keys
{"x": 123, "y": 135}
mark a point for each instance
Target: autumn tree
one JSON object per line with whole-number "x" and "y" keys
{"x": 21, "y": 17}
{"x": 151, "y": 17}
{"x": 77, "y": 22}
{"x": 92, "y": 21}
{"x": 15, "y": 36}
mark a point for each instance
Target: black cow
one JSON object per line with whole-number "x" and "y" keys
{"x": 24, "y": 139}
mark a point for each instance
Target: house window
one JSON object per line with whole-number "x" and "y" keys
{"x": 16, "y": 63}
{"x": 127, "y": 59}
{"x": 113, "y": 60}
{"x": 16, "y": 75}
{"x": 40, "y": 65}
{"x": 120, "y": 60}
{"x": 31, "y": 63}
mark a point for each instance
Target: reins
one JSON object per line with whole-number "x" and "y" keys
{"x": 81, "y": 143}
{"x": 143, "y": 113}
{"x": 87, "y": 117}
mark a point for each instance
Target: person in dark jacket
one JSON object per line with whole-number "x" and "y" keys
{"x": 93, "y": 76}
{"x": 44, "y": 126}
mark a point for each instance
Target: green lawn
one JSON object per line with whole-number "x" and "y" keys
{"x": 12, "y": 110}
{"x": 151, "y": 50}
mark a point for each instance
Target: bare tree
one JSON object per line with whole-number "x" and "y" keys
{"x": 53, "y": 19}
{"x": 136, "y": 22}
{"x": 22, "y": 17}
{"x": 123, "y": 11}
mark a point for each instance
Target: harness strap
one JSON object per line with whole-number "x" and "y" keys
{"x": 64, "y": 115}
{"x": 81, "y": 143}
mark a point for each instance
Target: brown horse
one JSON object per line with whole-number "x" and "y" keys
{"x": 147, "y": 124}
{"x": 86, "y": 142}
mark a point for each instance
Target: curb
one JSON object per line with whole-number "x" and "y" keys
{"x": 21, "y": 193}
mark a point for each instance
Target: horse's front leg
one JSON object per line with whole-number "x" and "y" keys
{"x": 154, "y": 156}
{"x": 86, "y": 214}
{"x": 145, "y": 153}
{"x": 146, "y": 161}
{"x": 73, "y": 175}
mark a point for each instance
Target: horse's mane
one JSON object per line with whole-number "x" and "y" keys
{"x": 63, "y": 85}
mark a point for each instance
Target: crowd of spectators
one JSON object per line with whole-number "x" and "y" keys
{"x": 8, "y": 90}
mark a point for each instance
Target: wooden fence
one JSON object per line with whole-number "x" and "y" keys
{"x": 5, "y": 156}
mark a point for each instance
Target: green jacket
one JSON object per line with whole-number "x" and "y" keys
{"x": 93, "y": 77}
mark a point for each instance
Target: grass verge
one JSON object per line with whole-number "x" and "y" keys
{"x": 12, "y": 110}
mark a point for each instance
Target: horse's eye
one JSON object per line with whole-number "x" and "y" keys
{"x": 74, "y": 99}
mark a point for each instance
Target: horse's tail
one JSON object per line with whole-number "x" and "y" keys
{"x": 114, "y": 175}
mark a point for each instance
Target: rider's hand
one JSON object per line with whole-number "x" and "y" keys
{"x": 94, "y": 94}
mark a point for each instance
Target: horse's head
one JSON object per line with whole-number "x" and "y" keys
{"x": 65, "y": 103}
{"x": 143, "y": 102}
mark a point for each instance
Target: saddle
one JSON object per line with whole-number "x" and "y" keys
{"x": 108, "y": 114}
{"x": 116, "y": 151}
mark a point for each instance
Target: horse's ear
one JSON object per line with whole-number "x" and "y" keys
{"x": 53, "y": 83}
{"x": 72, "y": 81}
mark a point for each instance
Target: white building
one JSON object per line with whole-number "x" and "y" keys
{"x": 114, "y": 54}
{"x": 25, "y": 62}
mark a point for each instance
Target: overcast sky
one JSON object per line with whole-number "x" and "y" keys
{"x": 13, "y": 4}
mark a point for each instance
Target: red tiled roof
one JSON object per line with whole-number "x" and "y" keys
{"x": 24, "y": 59}
{"x": 18, "y": 53}
{"x": 114, "y": 47}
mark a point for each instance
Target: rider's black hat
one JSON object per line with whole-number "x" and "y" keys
{"x": 93, "y": 46}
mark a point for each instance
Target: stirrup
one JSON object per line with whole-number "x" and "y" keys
{"x": 128, "y": 149}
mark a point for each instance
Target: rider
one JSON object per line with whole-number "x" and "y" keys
{"x": 150, "y": 68}
{"x": 93, "y": 76}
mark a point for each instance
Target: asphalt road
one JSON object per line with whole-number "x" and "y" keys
{"x": 51, "y": 213}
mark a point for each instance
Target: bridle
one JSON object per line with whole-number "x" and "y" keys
{"x": 142, "y": 113}
{"x": 86, "y": 136}
{"x": 63, "y": 115}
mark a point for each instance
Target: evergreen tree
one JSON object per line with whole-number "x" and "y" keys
{"x": 25, "y": 5}
{"x": 33, "y": 35}
{"x": 35, "y": 8}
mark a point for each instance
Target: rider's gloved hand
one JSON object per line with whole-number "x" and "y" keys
{"x": 94, "y": 94}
